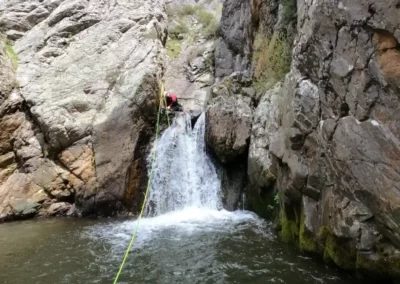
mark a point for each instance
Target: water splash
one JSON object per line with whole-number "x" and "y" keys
{"x": 183, "y": 174}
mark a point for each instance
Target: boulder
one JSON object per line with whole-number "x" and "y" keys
{"x": 88, "y": 80}
{"x": 228, "y": 128}
{"x": 59, "y": 208}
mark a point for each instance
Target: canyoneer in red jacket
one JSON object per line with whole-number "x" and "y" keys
{"x": 172, "y": 102}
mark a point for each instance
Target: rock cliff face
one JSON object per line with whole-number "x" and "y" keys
{"x": 77, "y": 111}
{"x": 328, "y": 138}
{"x": 234, "y": 45}
{"x": 338, "y": 143}
{"x": 230, "y": 111}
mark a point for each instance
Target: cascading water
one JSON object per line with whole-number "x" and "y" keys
{"x": 183, "y": 174}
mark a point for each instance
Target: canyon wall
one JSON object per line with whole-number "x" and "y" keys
{"x": 323, "y": 143}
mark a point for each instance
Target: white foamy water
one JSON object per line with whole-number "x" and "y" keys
{"x": 183, "y": 174}
{"x": 183, "y": 223}
{"x": 185, "y": 193}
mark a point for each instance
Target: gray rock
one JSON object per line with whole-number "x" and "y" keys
{"x": 228, "y": 127}
{"x": 233, "y": 48}
{"x": 59, "y": 208}
{"x": 88, "y": 77}
{"x": 25, "y": 209}
{"x": 336, "y": 143}
{"x": 233, "y": 181}
{"x": 369, "y": 159}
{"x": 261, "y": 170}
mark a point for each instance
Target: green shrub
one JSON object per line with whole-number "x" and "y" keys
{"x": 187, "y": 10}
{"x": 271, "y": 60}
{"x": 12, "y": 55}
{"x": 204, "y": 17}
{"x": 208, "y": 21}
{"x": 173, "y": 48}
{"x": 180, "y": 28}
{"x": 211, "y": 29}
{"x": 289, "y": 11}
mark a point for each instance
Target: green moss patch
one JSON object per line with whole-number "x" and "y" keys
{"x": 174, "y": 48}
{"x": 12, "y": 55}
{"x": 180, "y": 28}
{"x": 340, "y": 252}
{"x": 289, "y": 226}
{"x": 307, "y": 242}
{"x": 271, "y": 60}
{"x": 208, "y": 22}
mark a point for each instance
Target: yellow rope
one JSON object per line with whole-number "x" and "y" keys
{"x": 147, "y": 189}
{"x": 165, "y": 103}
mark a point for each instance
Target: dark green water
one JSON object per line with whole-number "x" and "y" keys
{"x": 192, "y": 246}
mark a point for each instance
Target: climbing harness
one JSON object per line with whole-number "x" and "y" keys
{"x": 148, "y": 183}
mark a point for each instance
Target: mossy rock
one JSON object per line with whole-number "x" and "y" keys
{"x": 289, "y": 226}
{"x": 340, "y": 252}
{"x": 378, "y": 266}
{"x": 307, "y": 242}
{"x": 264, "y": 206}
{"x": 25, "y": 208}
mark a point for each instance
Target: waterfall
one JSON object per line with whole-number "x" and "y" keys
{"x": 183, "y": 174}
{"x": 185, "y": 196}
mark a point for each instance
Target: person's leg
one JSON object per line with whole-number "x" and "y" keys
{"x": 176, "y": 106}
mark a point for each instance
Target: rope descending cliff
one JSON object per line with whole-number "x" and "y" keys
{"x": 161, "y": 99}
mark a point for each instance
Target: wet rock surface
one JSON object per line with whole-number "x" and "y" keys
{"x": 85, "y": 84}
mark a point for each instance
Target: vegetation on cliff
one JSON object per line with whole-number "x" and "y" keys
{"x": 271, "y": 59}
{"x": 188, "y": 22}
{"x": 12, "y": 55}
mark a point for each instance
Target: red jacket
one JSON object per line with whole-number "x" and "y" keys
{"x": 171, "y": 99}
